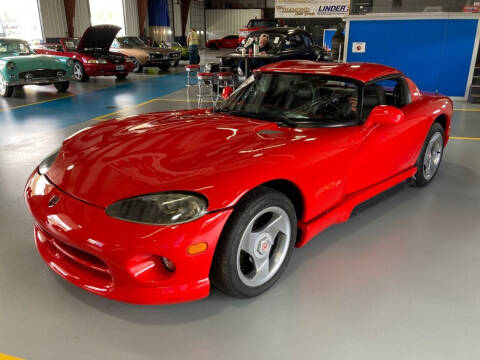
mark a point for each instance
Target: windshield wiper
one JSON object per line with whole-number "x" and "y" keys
{"x": 279, "y": 119}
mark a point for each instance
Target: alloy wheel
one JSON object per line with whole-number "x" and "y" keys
{"x": 263, "y": 246}
{"x": 433, "y": 155}
{"x": 78, "y": 71}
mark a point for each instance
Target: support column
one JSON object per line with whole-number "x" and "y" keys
{"x": 142, "y": 14}
{"x": 70, "y": 15}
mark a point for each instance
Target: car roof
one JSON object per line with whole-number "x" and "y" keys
{"x": 363, "y": 72}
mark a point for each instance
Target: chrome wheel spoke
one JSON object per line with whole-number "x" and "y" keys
{"x": 262, "y": 270}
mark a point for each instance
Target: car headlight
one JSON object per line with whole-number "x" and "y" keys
{"x": 47, "y": 162}
{"x": 167, "y": 208}
{"x": 102, "y": 61}
{"x": 11, "y": 65}
{"x": 91, "y": 61}
{"x": 69, "y": 62}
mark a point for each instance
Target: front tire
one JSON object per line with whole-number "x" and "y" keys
{"x": 137, "y": 67}
{"x": 256, "y": 244}
{"x": 122, "y": 76}
{"x": 164, "y": 67}
{"x": 62, "y": 86}
{"x": 5, "y": 90}
{"x": 431, "y": 155}
{"x": 79, "y": 72}
{"x": 174, "y": 63}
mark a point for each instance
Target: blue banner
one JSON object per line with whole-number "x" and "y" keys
{"x": 158, "y": 13}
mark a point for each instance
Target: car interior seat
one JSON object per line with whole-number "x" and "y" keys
{"x": 373, "y": 95}
{"x": 298, "y": 96}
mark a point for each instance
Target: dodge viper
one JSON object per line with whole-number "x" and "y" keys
{"x": 155, "y": 208}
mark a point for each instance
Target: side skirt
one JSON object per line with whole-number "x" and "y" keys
{"x": 341, "y": 212}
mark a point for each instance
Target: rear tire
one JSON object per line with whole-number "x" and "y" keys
{"x": 431, "y": 155}
{"x": 256, "y": 244}
{"x": 79, "y": 72}
{"x": 62, "y": 86}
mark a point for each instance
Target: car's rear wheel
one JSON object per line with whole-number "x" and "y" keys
{"x": 212, "y": 46}
{"x": 431, "y": 155}
{"x": 79, "y": 72}
{"x": 137, "y": 67}
{"x": 5, "y": 90}
{"x": 256, "y": 244}
{"x": 62, "y": 86}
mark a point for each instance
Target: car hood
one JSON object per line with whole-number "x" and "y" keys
{"x": 98, "y": 37}
{"x": 160, "y": 152}
{"x": 28, "y": 62}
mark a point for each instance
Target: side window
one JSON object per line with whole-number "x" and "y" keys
{"x": 393, "y": 92}
{"x": 307, "y": 40}
{"x": 115, "y": 44}
{"x": 294, "y": 42}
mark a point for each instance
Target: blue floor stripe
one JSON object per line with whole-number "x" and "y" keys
{"x": 65, "y": 112}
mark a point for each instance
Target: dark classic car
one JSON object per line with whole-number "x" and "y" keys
{"x": 285, "y": 43}
{"x": 91, "y": 53}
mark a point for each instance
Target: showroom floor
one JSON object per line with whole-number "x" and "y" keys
{"x": 398, "y": 281}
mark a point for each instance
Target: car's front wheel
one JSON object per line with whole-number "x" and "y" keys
{"x": 122, "y": 76}
{"x": 137, "y": 67}
{"x": 256, "y": 244}
{"x": 79, "y": 72}
{"x": 164, "y": 67}
{"x": 5, "y": 90}
{"x": 62, "y": 86}
{"x": 430, "y": 158}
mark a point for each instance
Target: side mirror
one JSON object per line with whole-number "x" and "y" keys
{"x": 227, "y": 91}
{"x": 384, "y": 114}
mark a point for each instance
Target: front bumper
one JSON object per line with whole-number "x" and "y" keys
{"x": 38, "y": 81}
{"x": 107, "y": 69}
{"x": 118, "y": 259}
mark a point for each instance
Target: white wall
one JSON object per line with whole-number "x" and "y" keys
{"x": 81, "y": 21}
{"x": 222, "y": 22}
{"x": 52, "y": 15}
{"x": 130, "y": 11}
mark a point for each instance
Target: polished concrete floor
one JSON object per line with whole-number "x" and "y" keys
{"x": 400, "y": 280}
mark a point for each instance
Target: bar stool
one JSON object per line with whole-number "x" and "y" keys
{"x": 224, "y": 79}
{"x": 191, "y": 69}
{"x": 205, "y": 82}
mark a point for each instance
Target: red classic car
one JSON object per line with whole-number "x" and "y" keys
{"x": 92, "y": 53}
{"x": 154, "y": 208}
{"x": 227, "y": 42}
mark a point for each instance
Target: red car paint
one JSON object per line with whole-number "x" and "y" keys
{"x": 221, "y": 157}
{"x": 228, "y": 42}
{"x": 106, "y": 34}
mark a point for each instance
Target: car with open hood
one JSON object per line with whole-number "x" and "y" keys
{"x": 19, "y": 66}
{"x": 143, "y": 55}
{"x": 155, "y": 208}
{"x": 91, "y": 53}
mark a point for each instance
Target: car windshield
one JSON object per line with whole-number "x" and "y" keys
{"x": 275, "y": 40}
{"x": 296, "y": 99}
{"x": 131, "y": 41}
{"x": 14, "y": 47}
{"x": 71, "y": 44}
{"x": 261, "y": 23}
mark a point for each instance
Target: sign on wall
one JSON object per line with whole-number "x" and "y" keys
{"x": 311, "y": 8}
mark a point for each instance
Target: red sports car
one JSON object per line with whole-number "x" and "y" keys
{"x": 154, "y": 208}
{"x": 228, "y": 42}
{"x": 92, "y": 53}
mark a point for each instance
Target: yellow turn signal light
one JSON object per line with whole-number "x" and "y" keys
{"x": 197, "y": 248}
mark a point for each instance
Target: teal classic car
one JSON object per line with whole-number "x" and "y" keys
{"x": 20, "y": 66}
